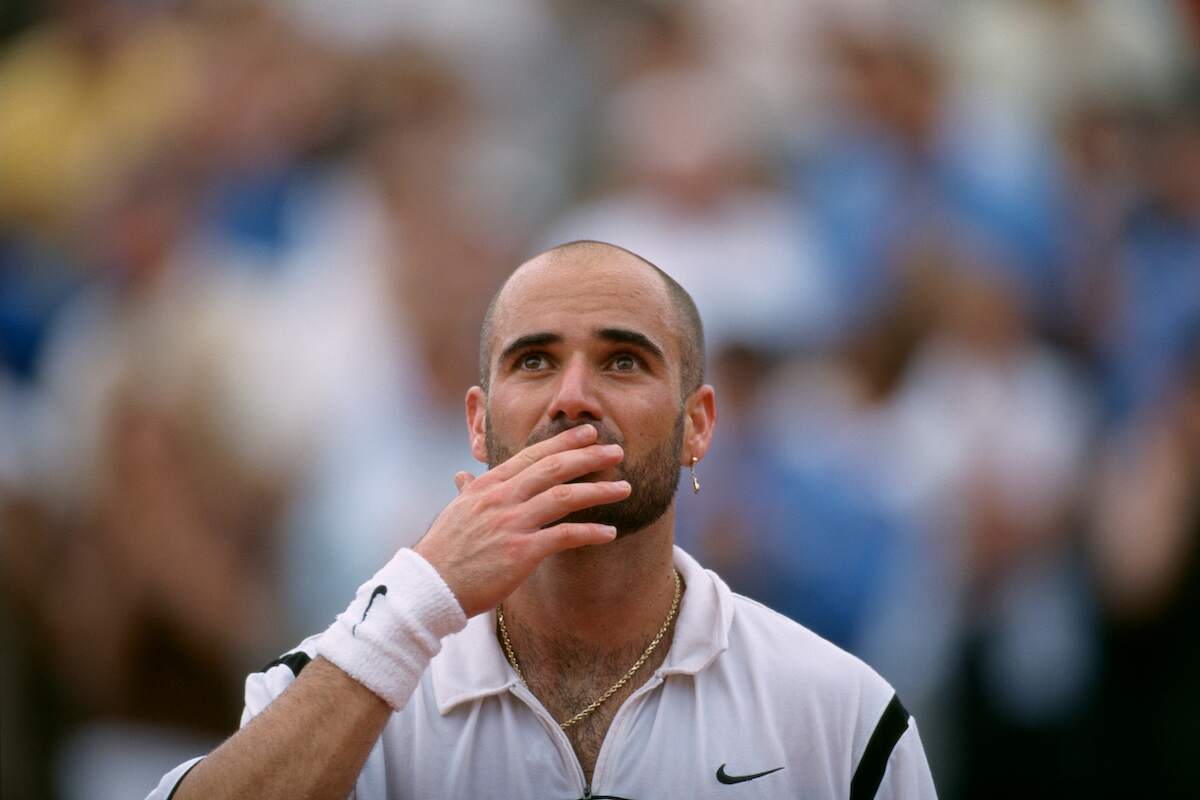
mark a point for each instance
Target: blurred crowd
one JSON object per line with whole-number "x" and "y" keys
{"x": 948, "y": 257}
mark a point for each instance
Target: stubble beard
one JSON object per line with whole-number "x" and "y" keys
{"x": 653, "y": 478}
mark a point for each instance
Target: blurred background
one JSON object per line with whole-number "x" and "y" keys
{"x": 948, "y": 256}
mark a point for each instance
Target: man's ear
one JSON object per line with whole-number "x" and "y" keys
{"x": 477, "y": 423}
{"x": 700, "y": 417}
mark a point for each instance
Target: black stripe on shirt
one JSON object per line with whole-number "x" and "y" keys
{"x": 294, "y": 661}
{"x": 890, "y": 728}
{"x": 186, "y": 772}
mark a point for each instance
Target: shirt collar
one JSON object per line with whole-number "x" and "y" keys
{"x": 472, "y": 664}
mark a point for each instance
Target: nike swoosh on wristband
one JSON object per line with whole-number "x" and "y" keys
{"x": 378, "y": 591}
{"x": 723, "y": 777}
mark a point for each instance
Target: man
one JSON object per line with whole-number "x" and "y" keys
{"x": 545, "y": 639}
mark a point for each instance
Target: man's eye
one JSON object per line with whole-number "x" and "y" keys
{"x": 624, "y": 363}
{"x": 532, "y": 361}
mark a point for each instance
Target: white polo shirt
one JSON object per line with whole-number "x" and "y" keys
{"x": 747, "y": 704}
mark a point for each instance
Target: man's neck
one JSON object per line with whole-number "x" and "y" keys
{"x": 609, "y": 596}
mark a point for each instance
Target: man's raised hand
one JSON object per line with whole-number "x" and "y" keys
{"x": 490, "y": 538}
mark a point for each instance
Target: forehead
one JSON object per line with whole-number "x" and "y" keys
{"x": 575, "y": 294}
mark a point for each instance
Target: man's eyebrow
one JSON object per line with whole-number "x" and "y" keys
{"x": 529, "y": 340}
{"x": 626, "y": 336}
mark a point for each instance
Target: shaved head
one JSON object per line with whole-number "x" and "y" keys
{"x": 689, "y": 331}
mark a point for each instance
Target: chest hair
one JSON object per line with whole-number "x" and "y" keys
{"x": 566, "y": 676}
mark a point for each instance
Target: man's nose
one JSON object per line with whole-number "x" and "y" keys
{"x": 575, "y": 396}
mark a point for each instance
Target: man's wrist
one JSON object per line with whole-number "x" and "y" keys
{"x": 387, "y": 636}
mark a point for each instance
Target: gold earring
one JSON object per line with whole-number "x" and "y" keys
{"x": 695, "y": 480}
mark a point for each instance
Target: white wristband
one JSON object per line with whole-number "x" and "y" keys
{"x": 395, "y": 625}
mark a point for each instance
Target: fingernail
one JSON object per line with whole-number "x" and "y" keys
{"x": 584, "y": 432}
{"x": 623, "y": 484}
{"x": 610, "y": 530}
{"x": 612, "y": 449}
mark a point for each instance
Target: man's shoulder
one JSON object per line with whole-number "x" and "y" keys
{"x": 793, "y": 658}
{"x": 767, "y": 632}
{"x": 828, "y": 711}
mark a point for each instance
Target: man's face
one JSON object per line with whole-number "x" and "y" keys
{"x": 591, "y": 342}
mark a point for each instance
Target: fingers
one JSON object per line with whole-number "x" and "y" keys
{"x": 461, "y": 479}
{"x": 558, "y": 468}
{"x": 579, "y": 436}
{"x": 566, "y": 535}
{"x": 564, "y": 498}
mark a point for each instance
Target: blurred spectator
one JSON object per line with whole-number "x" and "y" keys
{"x": 1147, "y": 562}
{"x": 273, "y": 117}
{"x": 683, "y": 156}
{"x": 1039, "y": 58}
{"x": 1156, "y": 280}
{"x": 800, "y": 508}
{"x": 35, "y": 283}
{"x": 1100, "y": 142}
{"x": 93, "y": 89}
{"x": 992, "y": 429}
{"x": 992, "y": 422}
{"x": 397, "y": 263}
{"x": 137, "y": 493}
{"x": 903, "y": 168}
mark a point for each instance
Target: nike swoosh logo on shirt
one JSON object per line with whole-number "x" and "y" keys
{"x": 379, "y": 591}
{"x": 723, "y": 777}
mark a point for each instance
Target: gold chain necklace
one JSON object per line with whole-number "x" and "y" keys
{"x": 512, "y": 658}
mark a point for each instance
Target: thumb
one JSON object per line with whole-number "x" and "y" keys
{"x": 461, "y": 479}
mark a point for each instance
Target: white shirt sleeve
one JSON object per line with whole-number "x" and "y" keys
{"x": 261, "y": 688}
{"x": 166, "y": 787}
{"x": 907, "y": 776}
{"x": 387, "y": 651}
